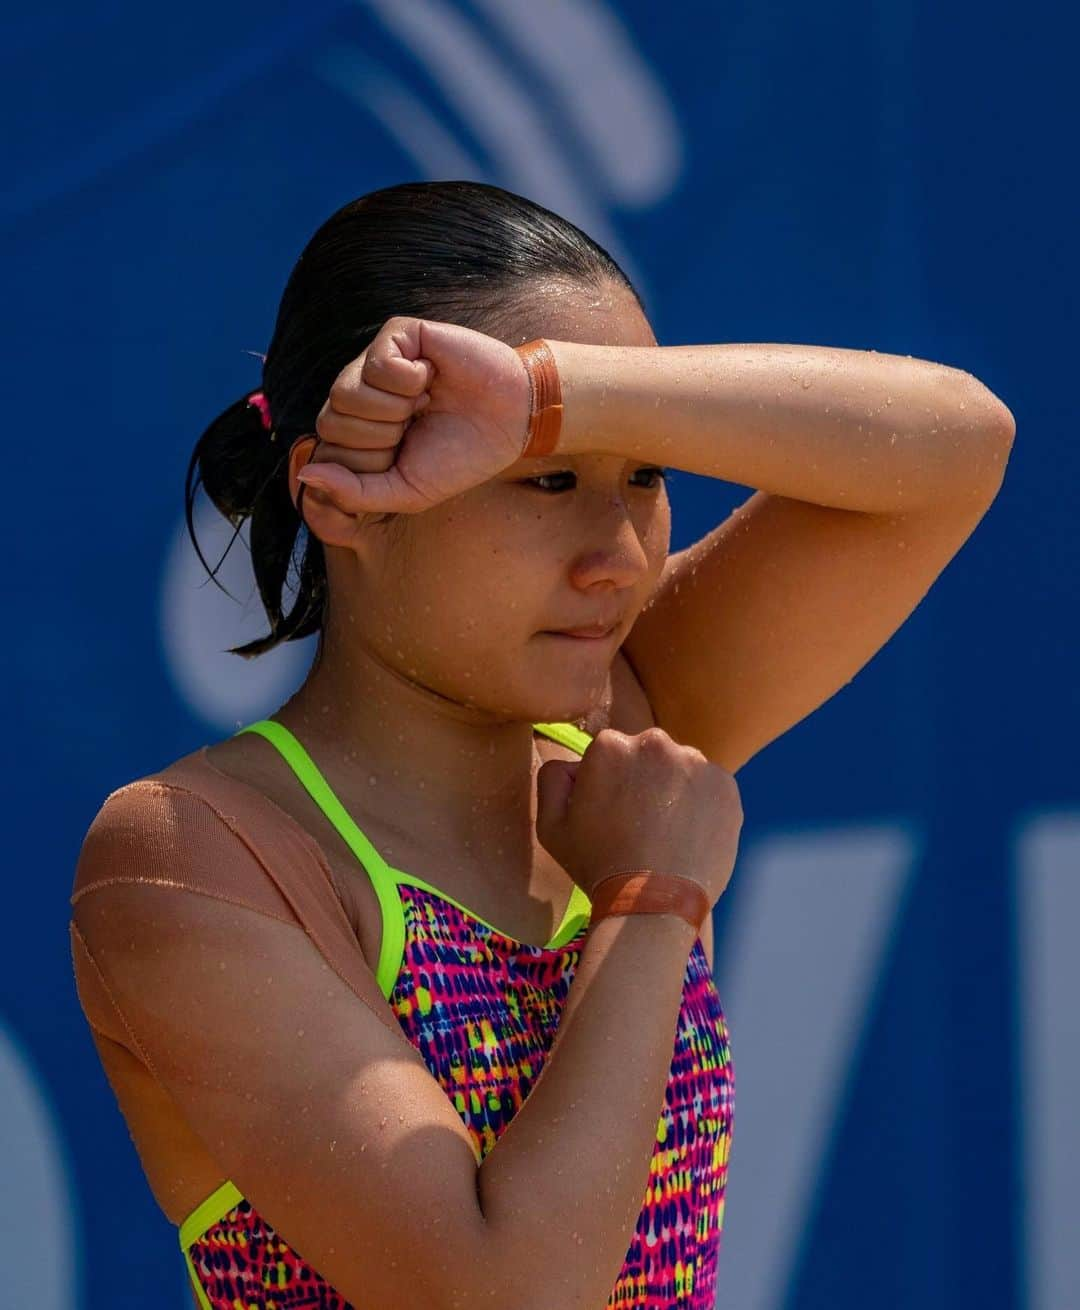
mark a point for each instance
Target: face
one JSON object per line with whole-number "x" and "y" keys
{"x": 460, "y": 598}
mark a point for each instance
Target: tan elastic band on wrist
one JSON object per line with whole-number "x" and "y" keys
{"x": 643, "y": 891}
{"x": 545, "y": 408}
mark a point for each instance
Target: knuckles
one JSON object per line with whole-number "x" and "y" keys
{"x": 338, "y": 395}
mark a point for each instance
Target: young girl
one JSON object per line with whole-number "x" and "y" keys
{"x": 462, "y": 878}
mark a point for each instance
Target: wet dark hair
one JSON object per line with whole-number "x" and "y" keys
{"x": 455, "y": 252}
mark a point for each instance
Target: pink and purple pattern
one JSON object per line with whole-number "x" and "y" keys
{"x": 483, "y": 1009}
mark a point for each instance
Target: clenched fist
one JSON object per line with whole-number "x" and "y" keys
{"x": 427, "y": 411}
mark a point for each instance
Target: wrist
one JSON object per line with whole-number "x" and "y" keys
{"x": 647, "y": 891}
{"x": 646, "y": 928}
{"x": 544, "y": 423}
{"x": 603, "y": 396}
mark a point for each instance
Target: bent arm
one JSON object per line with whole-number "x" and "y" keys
{"x": 851, "y": 429}
{"x": 326, "y": 1117}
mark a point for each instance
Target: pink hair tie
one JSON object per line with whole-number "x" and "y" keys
{"x": 259, "y": 401}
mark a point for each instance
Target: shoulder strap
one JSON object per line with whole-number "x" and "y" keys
{"x": 321, "y": 792}
{"x": 567, "y": 734}
{"x": 382, "y": 877}
{"x": 295, "y": 864}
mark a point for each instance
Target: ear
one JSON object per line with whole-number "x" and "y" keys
{"x": 332, "y": 525}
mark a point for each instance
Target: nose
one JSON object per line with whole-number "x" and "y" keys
{"x": 614, "y": 550}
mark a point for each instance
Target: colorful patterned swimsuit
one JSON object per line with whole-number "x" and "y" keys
{"x": 482, "y": 1009}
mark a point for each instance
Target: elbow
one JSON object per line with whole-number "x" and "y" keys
{"x": 993, "y": 429}
{"x": 1001, "y": 423}
{"x": 999, "y": 444}
{"x": 1001, "y": 431}
{"x": 987, "y": 412}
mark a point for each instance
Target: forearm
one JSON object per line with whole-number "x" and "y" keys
{"x": 562, "y": 1189}
{"x": 846, "y": 428}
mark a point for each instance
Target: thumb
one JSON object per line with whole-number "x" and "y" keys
{"x": 554, "y": 787}
{"x": 365, "y": 493}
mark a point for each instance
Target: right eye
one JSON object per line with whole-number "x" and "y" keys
{"x": 544, "y": 477}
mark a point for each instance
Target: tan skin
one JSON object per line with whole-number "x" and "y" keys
{"x": 434, "y": 664}
{"x": 873, "y": 470}
{"x": 433, "y": 667}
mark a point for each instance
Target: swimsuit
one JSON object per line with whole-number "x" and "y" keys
{"x": 482, "y": 1009}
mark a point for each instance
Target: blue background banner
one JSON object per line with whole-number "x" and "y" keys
{"x": 896, "y": 950}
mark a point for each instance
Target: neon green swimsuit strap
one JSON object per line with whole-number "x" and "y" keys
{"x": 323, "y": 795}
{"x": 566, "y": 734}
{"x": 320, "y": 791}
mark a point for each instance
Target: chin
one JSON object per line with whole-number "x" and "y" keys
{"x": 589, "y": 712}
{"x": 560, "y": 691}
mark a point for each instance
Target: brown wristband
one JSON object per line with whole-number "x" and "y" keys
{"x": 545, "y": 407}
{"x": 642, "y": 891}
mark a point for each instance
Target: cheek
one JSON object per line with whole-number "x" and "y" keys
{"x": 459, "y": 592}
{"x": 487, "y": 551}
{"x": 654, "y": 537}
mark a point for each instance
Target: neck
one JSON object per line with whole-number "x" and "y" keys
{"x": 389, "y": 744}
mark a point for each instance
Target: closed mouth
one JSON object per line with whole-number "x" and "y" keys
{"x": 584, "y": 634}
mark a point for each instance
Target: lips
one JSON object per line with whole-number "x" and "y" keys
{"x": 595, "y": 633}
